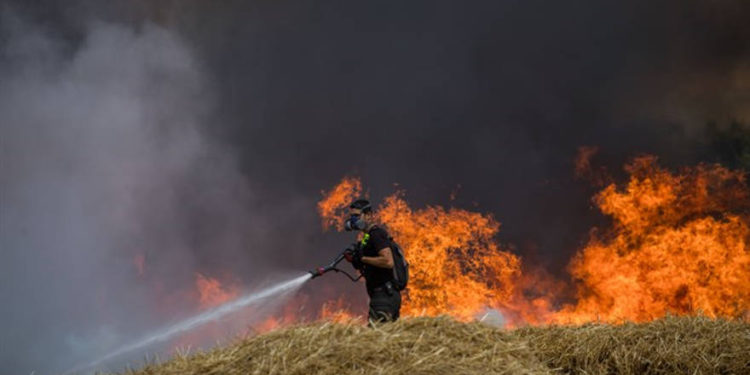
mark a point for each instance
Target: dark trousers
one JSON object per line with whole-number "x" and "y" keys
{"x": 385, "y": 304}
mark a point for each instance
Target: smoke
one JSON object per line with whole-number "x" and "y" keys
{"x": 196, "y": 135}
{"x": 494, "y": 96}
{"x": 104, "y": 159}
{"x": 188, "y": 325}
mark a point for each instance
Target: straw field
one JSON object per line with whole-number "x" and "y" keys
{"x": 673, "y": 345}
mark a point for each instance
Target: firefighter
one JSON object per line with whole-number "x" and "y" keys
{"x": 373, "y": 257}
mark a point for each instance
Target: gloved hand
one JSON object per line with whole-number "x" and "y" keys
{"x": 349, "y": 252}
{"x": 353, "y": 255}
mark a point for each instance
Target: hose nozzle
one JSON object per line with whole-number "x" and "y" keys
{"x": 332, "y": 267}
{"x": 320, "y": 271}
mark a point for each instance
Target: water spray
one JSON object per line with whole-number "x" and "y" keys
{"x": 196, "y": 321}
{"x": 220, "y": 311}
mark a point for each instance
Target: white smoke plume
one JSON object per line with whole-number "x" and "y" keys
{"x": 104, "y": 157}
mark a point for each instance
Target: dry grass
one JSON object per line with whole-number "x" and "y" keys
{"x": 671, "y": 345}
{"x": 443, "y": 346}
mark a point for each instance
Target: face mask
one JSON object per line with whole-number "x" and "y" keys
{"x": 355, "y": 222}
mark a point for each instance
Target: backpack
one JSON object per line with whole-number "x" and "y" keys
{"x": 400, "y": 267}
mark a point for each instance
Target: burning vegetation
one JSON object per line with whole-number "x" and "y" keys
{"x": 673, "y": 263}
{"x": 211, "y": 293}
{"x": 678, "y": 243}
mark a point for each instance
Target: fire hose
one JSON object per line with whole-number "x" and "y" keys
{"x": 332, "y": 267}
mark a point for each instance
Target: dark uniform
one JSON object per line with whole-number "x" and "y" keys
{"x": 385, "y": 300}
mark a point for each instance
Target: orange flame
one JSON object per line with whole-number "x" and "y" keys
{"x": 337, "y": 311}
{"x": 211, "y": 293}
{"x": 332, "y": 208}
{"x": 679, "y": 244}
{"x": 456, "y": 266}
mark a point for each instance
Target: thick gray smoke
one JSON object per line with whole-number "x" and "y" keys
{"x": 108, "y": 189}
